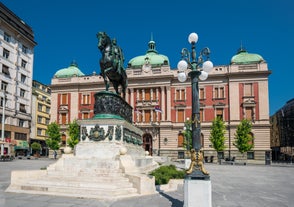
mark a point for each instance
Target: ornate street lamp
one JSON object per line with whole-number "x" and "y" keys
{"x": 198, "y": 68}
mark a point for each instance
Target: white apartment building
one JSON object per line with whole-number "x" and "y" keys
{"x": 16, "y": 70}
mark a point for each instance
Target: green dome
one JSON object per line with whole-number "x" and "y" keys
{"x": 152, "y": 57}
{"x": 243, "y": 57}
{"x": 71, "y": 71}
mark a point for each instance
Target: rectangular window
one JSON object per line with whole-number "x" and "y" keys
{"x": 22, "y": 108}
{"x": 23, "y": 78}
{"x": 23, "y": 63}
{"x": 4, "y": 86}
{"x": 250, "y": 155}
{"x": 85, "y": 115}
{"x": 201, "y": 112}
{"x": 147, "y": 95}
{"x": 39, "y": 120}
{"x": 24, "y": 49}
{"x": 20, "y": 136}
{"x": 63, "y": 99}
{"x": 154, "y": 95}
{"x": 47, "y": 110}
{"x": 249, "y": 113}
{"x": 86, "y": 99}
{"x": 5, "y": 70}
{"x": 21, "y": 122}
{"x": 248, "y": 89}
{"x": 147, "y": 116}
{"x": 180, "y": 115}
{"x": 5, "y": 53}
{"x": 47, "y": 121}
{"x": 219, "y": 92}
{"x": 2, "y": 100}
{"x": 181, "y": 155}
{"x": 63, "y": 118}
{"x": 180, "y": 140}
{"x": 201, "y": 93}
{"x": 7, "y": 37}
{"x": 140, "y": 95}
{"x": 40, "y": 107}
{"x": 180, "y": 95}
{"x": 219, "y": 113}
{"x": 22, "y": 93}
{"x": 39, "y": 132}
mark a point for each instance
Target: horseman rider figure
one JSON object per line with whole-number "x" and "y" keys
{"x": 118, "y": 56}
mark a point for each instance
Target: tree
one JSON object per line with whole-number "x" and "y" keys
{"x": 217, "y": 135}
{"x": 54, "y": 136}
{"x": 188, "y": 135}
{"x": 74, "y": 134}
{"x": 243, "y": 137}
{"x": 36, "y": 147}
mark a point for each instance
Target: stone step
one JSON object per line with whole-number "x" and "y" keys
{"x": 102, "y": 183}
{"x": 81, "y": 192}
{"x": 86, "y": 173}
{"x": 91, "y": 179}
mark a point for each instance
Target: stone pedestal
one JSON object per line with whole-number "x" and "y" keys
{"x": 197, "y": 193}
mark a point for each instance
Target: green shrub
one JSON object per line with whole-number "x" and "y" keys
{"x": 164, "y": 173}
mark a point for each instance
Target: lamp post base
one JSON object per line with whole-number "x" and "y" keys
{"x": 197, "y": 193}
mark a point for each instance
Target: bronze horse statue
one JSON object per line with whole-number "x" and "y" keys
{"x": 111, "y": 63}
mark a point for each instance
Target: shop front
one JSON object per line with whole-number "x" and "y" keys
{"x": 21, "y": 149}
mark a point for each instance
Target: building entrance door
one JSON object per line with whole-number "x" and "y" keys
{"x": 147, "y": 143}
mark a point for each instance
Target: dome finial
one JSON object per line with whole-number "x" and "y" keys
{"x": 241, "y": 49}
{"x": 74, "y": 63}
{"x": 151, "y": 45}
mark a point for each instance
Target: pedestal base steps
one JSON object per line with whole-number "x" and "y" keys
{"x": 104, "y": 173}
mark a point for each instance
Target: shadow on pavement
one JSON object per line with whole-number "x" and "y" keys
{"x": 175, "y": 202}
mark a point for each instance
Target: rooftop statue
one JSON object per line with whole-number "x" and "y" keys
{"x": 112, "y": 63}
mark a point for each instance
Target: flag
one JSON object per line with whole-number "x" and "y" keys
{"x": 137, "y": 111}
{"x": 157, "y": 109}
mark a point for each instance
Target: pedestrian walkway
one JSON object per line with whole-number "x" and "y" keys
{"x": 232, "y": 186}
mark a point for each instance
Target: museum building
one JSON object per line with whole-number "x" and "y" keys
{"x": 161, "y": 104}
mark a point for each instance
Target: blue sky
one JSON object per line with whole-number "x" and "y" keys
{"x": 66, "y": 31}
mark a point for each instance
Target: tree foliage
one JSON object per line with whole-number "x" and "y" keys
{"x": 188, "y": 135}
{"x": 164, "y": 173}
{"x": 36, "y": 146}
{"x": 74, "y": 134}
{"x": 217, "y": 134}
{"x": 243, "y": 137}
{"x": 54, "y": 136}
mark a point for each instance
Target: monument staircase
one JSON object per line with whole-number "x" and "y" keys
{"x": 100, "y": 178}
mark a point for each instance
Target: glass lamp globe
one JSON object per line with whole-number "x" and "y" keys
{"x": 203, "y": 75}
{"x": 193, "y": 37}
{"x": 182, "y": 65}
{"x": 207, "y": 66}
{"x": 182, "y": 77}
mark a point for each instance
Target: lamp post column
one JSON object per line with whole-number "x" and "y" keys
{"x": 3, "y": 126}
{"x": 197, "y": 184}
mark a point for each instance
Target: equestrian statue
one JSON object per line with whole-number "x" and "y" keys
{"x": 112, "y": 63}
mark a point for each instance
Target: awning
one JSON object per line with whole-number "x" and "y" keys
{"x": 20, "y": 148}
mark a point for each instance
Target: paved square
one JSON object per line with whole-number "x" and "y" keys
{"x": 232, "y": 186}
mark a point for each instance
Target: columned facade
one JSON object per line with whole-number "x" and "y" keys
{"x": 161, "y": 104}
